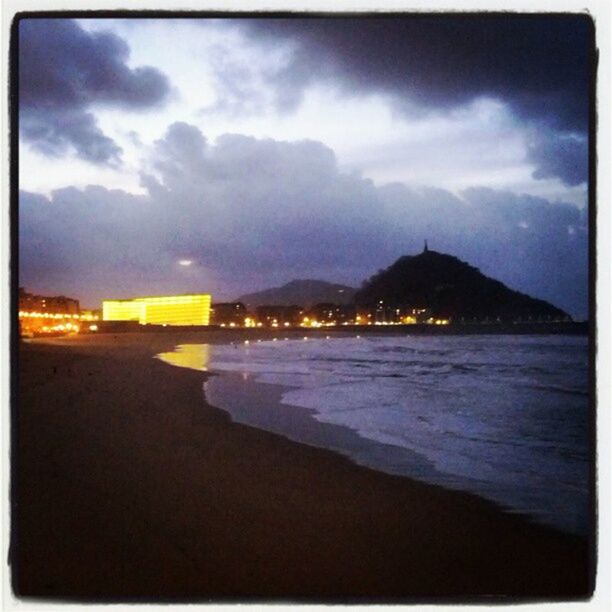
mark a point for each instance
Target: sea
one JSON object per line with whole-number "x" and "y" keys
{"x": 506, "y": 417}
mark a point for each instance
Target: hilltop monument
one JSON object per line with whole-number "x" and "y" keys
{"x": 452, "y": 289}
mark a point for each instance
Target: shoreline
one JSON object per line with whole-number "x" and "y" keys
{"x": 298, "y": 424}
{"x": 112, "y": 443}
{"x": 259, "y": 404}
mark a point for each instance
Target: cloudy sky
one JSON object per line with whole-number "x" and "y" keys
{"x": 266, "y": 150}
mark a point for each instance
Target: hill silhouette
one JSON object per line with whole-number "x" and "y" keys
{"x": 451, "y": 289}
{"x": 305, "y": 293}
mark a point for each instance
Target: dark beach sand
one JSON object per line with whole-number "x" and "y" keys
{"x": 127, "y": 485}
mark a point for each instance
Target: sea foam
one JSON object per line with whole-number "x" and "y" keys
{"x": 506, "y": 417}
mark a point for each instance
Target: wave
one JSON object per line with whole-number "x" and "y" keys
{"x": 560, "y": 389}
{"x": 501, "y": 416}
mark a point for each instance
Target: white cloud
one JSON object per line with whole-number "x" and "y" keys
{"x": 476, "y": 144}
{"x": 251, "y": 213}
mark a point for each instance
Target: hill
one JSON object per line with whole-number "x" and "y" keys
{"x": 300, "y": 292}
{"x": 452, "y": 289}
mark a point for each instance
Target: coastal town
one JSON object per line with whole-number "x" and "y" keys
{"x": 429, "y": 288}
{"x": 56, "y": 315}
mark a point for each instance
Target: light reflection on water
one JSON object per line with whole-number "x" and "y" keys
{"x": 505, "y": 417}
{"x": 192, "y": 356}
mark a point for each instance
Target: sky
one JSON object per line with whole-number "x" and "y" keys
{"x": 231, "y": 155}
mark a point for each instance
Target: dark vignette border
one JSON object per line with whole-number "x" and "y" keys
{"x": 262, "y": 14}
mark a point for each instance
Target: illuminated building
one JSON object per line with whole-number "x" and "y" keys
{"x": 160, "y": 310}
{"x": 41, "y": 303}
{"x": 40, "y": 314}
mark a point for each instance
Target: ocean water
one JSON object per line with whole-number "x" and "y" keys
{"x": 506, "y": 417}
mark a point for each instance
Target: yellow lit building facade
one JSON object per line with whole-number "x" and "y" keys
{"x": 161, "y": 310}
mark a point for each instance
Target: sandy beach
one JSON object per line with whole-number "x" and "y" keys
{"x": 127, "y": 485}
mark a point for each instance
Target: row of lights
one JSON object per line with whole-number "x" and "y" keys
{"x": 49, "y": 315}
{"x": 247, "y": 342}
{"x": 66, "y": 327}
{"x": 307, "y": 322}
{"x": 62, "y": 327}
{"x": 249, "y": 322}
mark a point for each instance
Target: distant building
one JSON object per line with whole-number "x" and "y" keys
{"x": 42, "y": 314}
{"x": 91, "y": 315}
{"x": 160, "y": 310}
{"x": 331, "y": 314}
{"x": 228, "y": 313}
{"x": 59, "y": 304}
{"x": 277, "y": 316}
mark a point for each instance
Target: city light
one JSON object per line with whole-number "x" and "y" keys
{"x": 192, "y": 309}
{"x": 35, "y": 322}
{"x": 186, "y": 309}
{"x": 24, "y": 314}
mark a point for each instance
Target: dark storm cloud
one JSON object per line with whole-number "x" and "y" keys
{"x": 64, "y": 71}
{"x": 539, "y": 65}
{"x": 255, "y": 213}
{"x": 564, "y": 155}
{"x": 53, "y": 132}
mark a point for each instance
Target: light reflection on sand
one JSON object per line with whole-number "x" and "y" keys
{"x": 193, "y": 356}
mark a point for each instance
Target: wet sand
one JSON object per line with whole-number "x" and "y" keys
{"x": 127, "y": 485}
